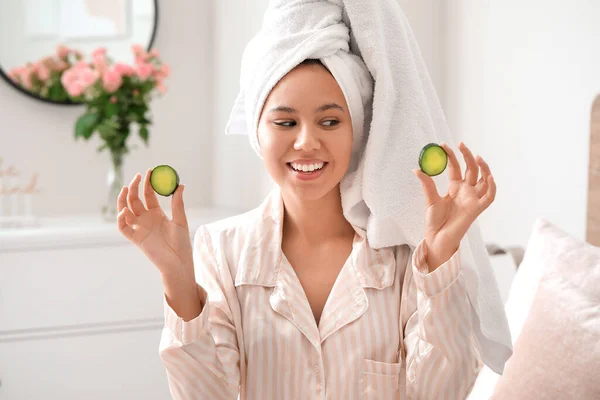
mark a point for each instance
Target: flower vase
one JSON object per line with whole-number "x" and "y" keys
{"x": 115, "y": 183}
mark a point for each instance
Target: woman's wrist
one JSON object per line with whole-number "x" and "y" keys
{"x": 437, "y": 256}
{"x": 181, "y": 291}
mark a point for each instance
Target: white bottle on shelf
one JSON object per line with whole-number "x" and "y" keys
{"x": 15, "y": 209}
{"x": 6, "y": 206}
{"x": 3, "y": 197}
{"x": 16, "y": 200}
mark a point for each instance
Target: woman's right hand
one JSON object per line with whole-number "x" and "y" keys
{"x": 166, "y": 242}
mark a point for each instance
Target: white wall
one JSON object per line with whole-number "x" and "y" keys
{"x": 520, "y": 81}
{"x": 239, "y": 178}
{"x": 38, "y": 137}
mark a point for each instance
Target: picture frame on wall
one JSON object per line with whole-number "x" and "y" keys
{"x": 94, "y": 19}
{"x": 42, "y": 18}
{"x": 77, "y": 19}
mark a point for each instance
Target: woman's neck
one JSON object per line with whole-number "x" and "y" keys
{"x": 315, "y": 221}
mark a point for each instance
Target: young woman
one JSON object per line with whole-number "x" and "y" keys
{"x": 289, "y": 301}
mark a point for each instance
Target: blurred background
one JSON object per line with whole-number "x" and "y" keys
{"x": 517, "y": 81}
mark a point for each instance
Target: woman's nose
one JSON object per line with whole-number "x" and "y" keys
{"x": 307, "y": 140}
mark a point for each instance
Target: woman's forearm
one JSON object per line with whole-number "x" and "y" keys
{"x": 182, "y": 295}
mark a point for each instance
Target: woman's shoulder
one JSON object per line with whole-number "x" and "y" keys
{"x": 230, "y": 227}
{"x": 232, "y": 241}
{"x": 237, "y": 229}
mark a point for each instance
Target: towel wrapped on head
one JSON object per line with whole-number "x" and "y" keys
{"x": 370, "y": 49}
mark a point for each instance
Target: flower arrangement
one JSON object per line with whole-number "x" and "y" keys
{"x": 116, "y": 96}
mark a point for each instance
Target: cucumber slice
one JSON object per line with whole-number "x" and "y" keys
{"x": 164, "y": 180}
{"x": 433, "y": 159}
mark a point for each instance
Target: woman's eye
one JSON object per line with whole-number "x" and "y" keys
{"x": 287, "y": 124}
{"x": 331, "y": 122}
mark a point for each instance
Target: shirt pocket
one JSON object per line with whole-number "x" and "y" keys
{"x": 380, "y": 381}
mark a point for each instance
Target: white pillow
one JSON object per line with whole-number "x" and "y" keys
{"x": 557, "y": 349}
{"x": 520, "y": 297}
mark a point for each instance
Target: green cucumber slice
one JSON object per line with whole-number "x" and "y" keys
{"x": 164, "y": 180}
{"x": 433, "y": 159}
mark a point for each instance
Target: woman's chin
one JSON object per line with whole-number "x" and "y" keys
{"x": 310, "y": 192}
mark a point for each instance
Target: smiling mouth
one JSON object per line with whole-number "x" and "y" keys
{"x": 307, "y": 169}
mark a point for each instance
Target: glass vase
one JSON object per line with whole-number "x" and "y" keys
{"x": 115, "y": 182}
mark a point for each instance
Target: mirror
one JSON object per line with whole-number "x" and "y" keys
{"x": 41, "y": 38}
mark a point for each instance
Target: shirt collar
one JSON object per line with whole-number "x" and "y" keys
{"x": 261, "y": 257}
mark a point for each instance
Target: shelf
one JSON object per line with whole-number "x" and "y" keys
{"x": 87, "y": 231}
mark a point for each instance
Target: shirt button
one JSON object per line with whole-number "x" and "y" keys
{"x": 316, "y": 368}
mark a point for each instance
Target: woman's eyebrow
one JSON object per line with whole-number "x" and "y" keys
{"x": 283, "y": 109}
{"x": 322, "y": 108}
{"x": 329, "y": 106}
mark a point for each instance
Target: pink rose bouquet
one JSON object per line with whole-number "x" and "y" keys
{"x": 116, "y": 95}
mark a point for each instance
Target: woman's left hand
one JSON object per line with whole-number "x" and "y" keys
{"x": 448, "y": 218}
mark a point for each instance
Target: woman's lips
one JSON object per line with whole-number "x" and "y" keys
{"x": 309, "y": 175}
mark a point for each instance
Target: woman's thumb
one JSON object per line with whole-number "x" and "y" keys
{"x": 178, "y": 208}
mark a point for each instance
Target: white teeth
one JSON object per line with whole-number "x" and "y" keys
{"x": 307, "y": 167}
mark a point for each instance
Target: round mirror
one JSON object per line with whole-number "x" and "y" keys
{"x": 39, "y": 39}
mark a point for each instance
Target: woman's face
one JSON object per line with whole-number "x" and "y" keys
{"x": 305, "y": 133}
